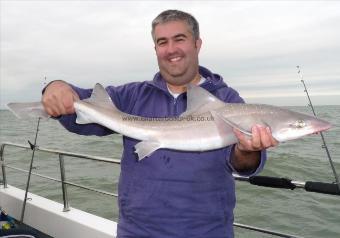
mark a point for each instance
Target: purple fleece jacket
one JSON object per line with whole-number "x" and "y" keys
{"x": 170, "y": 194}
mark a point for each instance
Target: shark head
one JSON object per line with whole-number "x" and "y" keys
{"x": 284, "y": 124}
{"x": 290, "y": 125}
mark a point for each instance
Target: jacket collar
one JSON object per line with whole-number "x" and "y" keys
{"x": 212, "y": 83}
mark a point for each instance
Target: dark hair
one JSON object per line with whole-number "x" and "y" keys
{"x": 176, "y": 15}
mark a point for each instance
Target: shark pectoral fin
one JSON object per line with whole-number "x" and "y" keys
{"x": 200, "y": 101}
{"x": 220, "y": 118}
{"x": 146, "y": 148}
{"x": 223, "y": 128}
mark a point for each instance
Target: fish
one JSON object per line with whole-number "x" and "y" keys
{"x": 207, "y": 124}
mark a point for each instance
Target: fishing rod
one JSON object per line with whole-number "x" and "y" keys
{"x": 321, "y": 134}
{"x": 33, "y": 148}
{"x": 286, "y": 183}
{"x": 265, "y": 231}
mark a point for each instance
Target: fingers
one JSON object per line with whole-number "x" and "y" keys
{"x": 50, "y": 106}
{"x": 273, "y": 141}
{"x": 58, "y": 99}
{"x": 261, "y": 139}
{"x": 244, "y": 144}
{"x": 256, "y": 137}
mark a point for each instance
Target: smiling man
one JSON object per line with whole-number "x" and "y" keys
{"x": 171, "y": 193}
{"x": 177, "y": 49}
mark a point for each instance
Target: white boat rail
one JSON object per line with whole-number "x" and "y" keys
{"x": 64, "y": 182}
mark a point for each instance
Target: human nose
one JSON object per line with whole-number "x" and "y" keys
{"x": 171, "y": 47}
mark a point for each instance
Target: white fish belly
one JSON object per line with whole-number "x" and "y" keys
{"x": 179, "y": 135}
{"x": 200, "y": 137}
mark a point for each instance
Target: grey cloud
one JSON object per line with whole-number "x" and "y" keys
{"x": 254, "y": 45}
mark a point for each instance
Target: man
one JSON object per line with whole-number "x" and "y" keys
{"x": 171, "y": 193}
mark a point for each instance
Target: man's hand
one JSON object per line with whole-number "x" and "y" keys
{"x": 247, "y": 156}
{"x": 58, "y": 99}
{"x": 261, "y": 139}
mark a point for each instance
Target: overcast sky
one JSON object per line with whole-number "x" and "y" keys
{"x": 254, "y": 45}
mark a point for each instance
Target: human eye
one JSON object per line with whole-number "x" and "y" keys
{"x": 161, "y": 42}
{"x": 180, "y": 39}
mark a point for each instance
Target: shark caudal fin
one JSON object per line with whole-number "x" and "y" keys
{"x": 28, "y": 110}
{"x": 99, "y": 98}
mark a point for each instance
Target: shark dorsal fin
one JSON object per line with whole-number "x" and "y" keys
{"x": 100, "y": 98}
{"x": 200, "y": 101}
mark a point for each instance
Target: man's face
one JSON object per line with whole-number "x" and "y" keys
{"x": 177, "y": 52}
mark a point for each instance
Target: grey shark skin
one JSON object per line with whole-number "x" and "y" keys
{"x": 207, "y": 124}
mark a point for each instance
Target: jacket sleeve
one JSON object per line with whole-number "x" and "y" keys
{"x": 250, "y": 173}
{"x": 232, "y": 96}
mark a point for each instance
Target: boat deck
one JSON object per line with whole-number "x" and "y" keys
{"x": 49, "y": 217}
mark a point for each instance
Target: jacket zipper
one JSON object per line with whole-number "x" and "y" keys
{"x": 175, "y": 103}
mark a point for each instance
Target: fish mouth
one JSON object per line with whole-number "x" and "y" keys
{"x": 314, "y": 127}
{"x": 321, "y": 126}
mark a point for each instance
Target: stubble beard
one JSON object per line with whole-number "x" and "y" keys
{"x": 181, "y": 77}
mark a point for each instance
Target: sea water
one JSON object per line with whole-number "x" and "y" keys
{"x": 295, "y": 212}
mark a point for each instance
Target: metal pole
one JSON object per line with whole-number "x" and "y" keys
{"x": 63, "y": 184}
{"x": 2, "y": 160}
{"x": 33, "y": 147}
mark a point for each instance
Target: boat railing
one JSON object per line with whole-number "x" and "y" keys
{"x": 256, "y": 180}
{"x": 61, "y": 155}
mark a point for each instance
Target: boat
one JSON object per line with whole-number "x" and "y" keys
{"x": 48, "y": 218}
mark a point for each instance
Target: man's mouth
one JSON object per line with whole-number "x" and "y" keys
{"x": 175, "y": 59}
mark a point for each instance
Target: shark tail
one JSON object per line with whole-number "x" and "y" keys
{"x": 28, "y": 110}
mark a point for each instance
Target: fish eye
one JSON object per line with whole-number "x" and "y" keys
{"x": 299, "y": 124}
